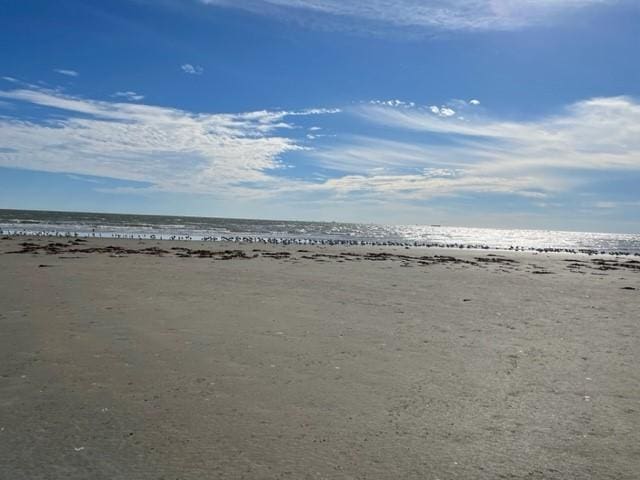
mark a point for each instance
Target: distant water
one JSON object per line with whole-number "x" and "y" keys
{"x": 198, "y": 228}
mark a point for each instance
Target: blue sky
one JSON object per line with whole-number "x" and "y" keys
{"x": 498, "y": 113}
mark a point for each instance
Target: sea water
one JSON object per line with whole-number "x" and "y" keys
{"x": 108, "y": 225}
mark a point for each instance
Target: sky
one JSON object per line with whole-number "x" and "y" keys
{"x": 484, "y": 113}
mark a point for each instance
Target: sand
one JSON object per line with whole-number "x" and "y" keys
{"x": 338, "y": 363}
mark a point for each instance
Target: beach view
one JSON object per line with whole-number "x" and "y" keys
{"x": 277, "y": 239}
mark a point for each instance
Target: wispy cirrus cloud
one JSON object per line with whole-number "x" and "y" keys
{"x": 469, "y": 15}
{"x": 419, "y": 154}
{"x": 426, "y": 185}
{"x": 595, "y": 134}
{"x": 399, "y": 170}
{"x": 66, "y": 72}
{"x": 168, "y": 149}
{"x": 480, "y": 154}
{"x": 192, "y": 69}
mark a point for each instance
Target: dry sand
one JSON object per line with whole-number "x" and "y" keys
{"x": 118, "y": 363}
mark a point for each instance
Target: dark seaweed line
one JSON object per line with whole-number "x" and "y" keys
{"x": 505, "y": 264}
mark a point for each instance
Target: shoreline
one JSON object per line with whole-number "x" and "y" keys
{"x": 301, "y": 242}
{"x": 225, "y": 250}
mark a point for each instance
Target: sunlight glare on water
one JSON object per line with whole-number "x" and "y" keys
{"x": 197, "y": 228}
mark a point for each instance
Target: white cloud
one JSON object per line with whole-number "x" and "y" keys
{"x": 363, "y": 155}
{"x": 549, "y": 156}
{"x": 192, "y": 69}
{"x": 424, "y": 186}
{"x": 419, "y": 171}
{"x": 392, "y": 103}
{"x": 474, "y": 102}
{"x": 599, "y": 133}
{"x": 433, "y": 14}
{"x": 128, "y": 95}
{"x": 170, "y": 149}
{"x": 240, "y": 155}
{"x": 68, "y": 73}
{"x": 447, "y": 112}
{"x": 442, "y": 111}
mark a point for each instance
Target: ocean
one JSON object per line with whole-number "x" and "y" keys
{"x": 107, "y": 225}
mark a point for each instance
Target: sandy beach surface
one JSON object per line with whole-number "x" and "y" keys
{"x": 122, "y": 359}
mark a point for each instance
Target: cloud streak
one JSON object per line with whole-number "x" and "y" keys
{"x": 594, "y": 134}
{"x": 68, "y": 73}
{"x": 549, "y": 156}
{"x": 169, "y": 149}
{"x": 128, "y": 95}
{"x": 461, "y": 15}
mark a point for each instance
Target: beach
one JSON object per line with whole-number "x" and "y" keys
{"x": 127, "y": 359}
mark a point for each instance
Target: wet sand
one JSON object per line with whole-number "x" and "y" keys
{"x": 158, "y": 360}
